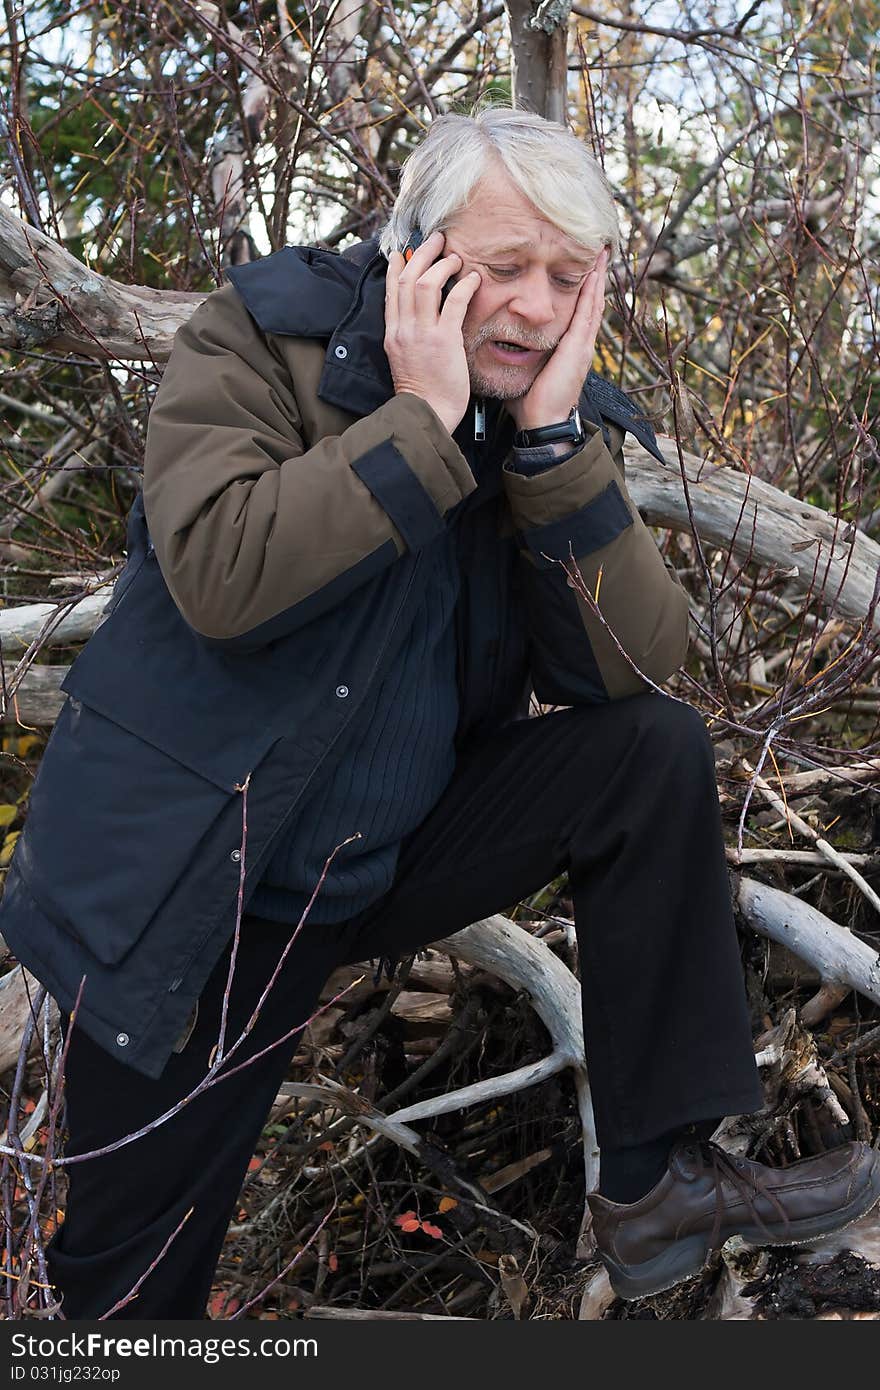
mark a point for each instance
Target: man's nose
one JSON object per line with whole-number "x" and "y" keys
{"x": 533, "y": 300}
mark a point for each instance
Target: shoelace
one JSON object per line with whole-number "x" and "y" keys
{"x": 747, "y": 1183}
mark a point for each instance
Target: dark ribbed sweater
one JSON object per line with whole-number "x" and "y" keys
{"x": 398, "y": 758}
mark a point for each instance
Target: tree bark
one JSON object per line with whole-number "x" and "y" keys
{"x": 539, "y": 40}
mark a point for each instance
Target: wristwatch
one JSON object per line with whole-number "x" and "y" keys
{"x": 571, "y": 430}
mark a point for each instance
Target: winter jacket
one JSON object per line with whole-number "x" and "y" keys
{"x": 271, "y": 558}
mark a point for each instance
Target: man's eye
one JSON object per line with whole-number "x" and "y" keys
{"x": 503, "y": 271}
{"x": 569, "y": 284}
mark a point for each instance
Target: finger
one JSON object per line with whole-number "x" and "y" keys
{"x": 419, "y": 294}
{"x": 591, "y": 303}
{"x": 601, "y": 277}
{"x": 392, "y": 276}
{"x": 417, "y": 262}
{"x": 459, "y": 297}
{"x": 430, "y": 248}
{"x": 574, "y": 342}
{"x": 440, "y": 271}
{"x": 428, "y": 289}
{"x": 409, "y": 270}
{"x": 598, "y": 304}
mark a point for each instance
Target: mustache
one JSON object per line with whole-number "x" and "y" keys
{"x": 496, "y": 332}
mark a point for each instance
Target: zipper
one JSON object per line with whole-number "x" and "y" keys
{"x": 483, "y": 679}
{"x": 480, "y": 423}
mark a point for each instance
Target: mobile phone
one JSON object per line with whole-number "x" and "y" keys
{"x": 415, "y": 241}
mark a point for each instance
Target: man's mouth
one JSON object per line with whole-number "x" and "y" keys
{"x": 509, "y": 350}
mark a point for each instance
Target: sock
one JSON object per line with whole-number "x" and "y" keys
{"x": 628, "y": 1174}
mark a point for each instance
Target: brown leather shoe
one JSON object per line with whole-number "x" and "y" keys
{"x": 707, "y": 1195}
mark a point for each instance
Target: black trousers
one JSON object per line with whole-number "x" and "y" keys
{"x": 623, "y": 795}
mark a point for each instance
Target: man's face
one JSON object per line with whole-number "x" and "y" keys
{"x": 530, "y": 274}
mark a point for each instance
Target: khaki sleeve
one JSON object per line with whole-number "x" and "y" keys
{"x": 255, "y": 532}
{"x": 581, "y": 508}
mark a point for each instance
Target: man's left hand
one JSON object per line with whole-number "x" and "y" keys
{"x": 558, "y": 385}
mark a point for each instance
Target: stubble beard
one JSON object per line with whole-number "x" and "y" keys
{"x": 505, "y": 383}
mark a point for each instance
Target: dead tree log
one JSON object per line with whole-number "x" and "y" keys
{"x": 822, "y": 557}
{"x": 18, "y": 989}
{"x": 48, "y": 297}
{"x": 732, "y": 510}
{"x": 839, "y": 956}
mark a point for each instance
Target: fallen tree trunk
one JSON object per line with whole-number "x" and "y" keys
{"x": 731, "y": 510}
{"x": 839, "y": 956}
{"x": 828, "y": 560}
{"x": 49, "y": 298}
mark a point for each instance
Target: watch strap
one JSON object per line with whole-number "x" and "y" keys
{"x": 569, "y": 429}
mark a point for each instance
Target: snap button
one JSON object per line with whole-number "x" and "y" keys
{"x": 342, "y": 691}
{"x": 122, "y": 1039}
{"x": 341, "y": 351}
{"x": 235, "y": 856}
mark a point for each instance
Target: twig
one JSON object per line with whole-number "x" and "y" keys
{"x": 827, "y": 851}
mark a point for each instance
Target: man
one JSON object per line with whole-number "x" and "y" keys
{"x": 364, "y": 475}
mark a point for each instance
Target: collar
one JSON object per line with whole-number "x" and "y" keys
{"x": 303, "y": 292}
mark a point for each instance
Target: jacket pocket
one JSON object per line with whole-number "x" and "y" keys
{"x": 113, "y": 822}
{"x": 144, "y": 669}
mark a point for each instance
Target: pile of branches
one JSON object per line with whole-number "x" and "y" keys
{"x": 406, "y": 1238}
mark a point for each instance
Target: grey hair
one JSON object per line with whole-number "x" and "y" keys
{"x": 548, "y": 163}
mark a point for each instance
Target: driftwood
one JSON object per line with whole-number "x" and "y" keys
{"x": 38, "y": 699}
{"x": 839, "y": 956}
{"x": 18, "y": 988}
{"x": 597, "y": 1296}
{"x": 832, "y": 561}
{"x": 827, "y": 851}
{"x": 507, "y": 950}
{"x": 804, "y": 858}
{"x": 44, "y": 290}
{"x": 51, "y": 624}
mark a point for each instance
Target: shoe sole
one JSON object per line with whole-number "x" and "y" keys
{"x": 686, "y": 1258}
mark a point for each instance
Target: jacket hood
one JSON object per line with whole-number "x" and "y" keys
{"x": 302, "y": 291}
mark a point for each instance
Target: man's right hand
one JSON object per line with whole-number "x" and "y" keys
{"x": 423, "y": 337}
